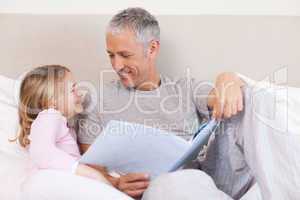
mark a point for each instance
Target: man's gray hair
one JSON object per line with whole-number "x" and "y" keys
{"x": 141, "y": 22}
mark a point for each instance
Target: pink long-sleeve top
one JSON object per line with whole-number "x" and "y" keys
{"x": 53, "y": 145}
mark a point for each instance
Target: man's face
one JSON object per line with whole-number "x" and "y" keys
{"x": 128, "y": 58}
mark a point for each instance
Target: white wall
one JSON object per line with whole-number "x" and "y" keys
{"x": 256, "y": 46}
{"x": 232, "y": 7}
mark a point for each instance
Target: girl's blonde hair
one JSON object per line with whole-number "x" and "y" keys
{"x": 38, "y": 89}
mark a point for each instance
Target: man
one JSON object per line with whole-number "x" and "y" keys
{"x": 142, "y": 95}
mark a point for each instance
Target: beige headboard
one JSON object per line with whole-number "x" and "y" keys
{"x": 256, "y": 46}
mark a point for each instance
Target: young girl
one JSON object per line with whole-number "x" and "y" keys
{"x": 48, "y": 98}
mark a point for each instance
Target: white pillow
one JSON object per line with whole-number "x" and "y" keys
{"x": 13, "y": 158}
{"x": 9, "y": 125}
{"x": 269, "y": 133}
{"x": 9, "y": 90}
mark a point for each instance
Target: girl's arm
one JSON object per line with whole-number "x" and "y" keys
{"x": 46, "y": 155}
{"x": 114, "y": 181}
{"x": 85, "y": 170}
{"x": 43, "y": 150}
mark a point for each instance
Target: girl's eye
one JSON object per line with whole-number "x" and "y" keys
{"x": 73, "y": 88}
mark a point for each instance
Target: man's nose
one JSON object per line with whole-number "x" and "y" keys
{"x": 118, "y": 64}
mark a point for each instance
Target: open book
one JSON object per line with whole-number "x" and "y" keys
{"x": 126, "y": 147}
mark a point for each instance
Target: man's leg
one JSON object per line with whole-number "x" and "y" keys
{"x": 224, "y": 160}
{"x": 184, "y": 185}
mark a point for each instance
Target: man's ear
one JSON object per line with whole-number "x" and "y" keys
{"x": 154, "y": 47}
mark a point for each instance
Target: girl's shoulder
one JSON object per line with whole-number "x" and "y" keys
{"x": 51, "y": 111}
{"x": 49, "y": 124}
{"x": 50, "y": 116}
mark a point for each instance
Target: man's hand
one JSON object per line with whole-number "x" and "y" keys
{"x": 226, "y": 99}
{"x": 133, "y": 184}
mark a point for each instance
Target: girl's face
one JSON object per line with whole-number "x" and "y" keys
{"x": 69, "y": 100}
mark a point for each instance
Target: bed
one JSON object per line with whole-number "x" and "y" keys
{"x": 32, "y": 40}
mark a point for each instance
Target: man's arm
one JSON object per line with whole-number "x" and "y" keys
{"x": 226, "y": 99}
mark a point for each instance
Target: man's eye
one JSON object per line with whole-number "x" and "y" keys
{"x": 111, "y": 55}
{"x": 126, "y": 56}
